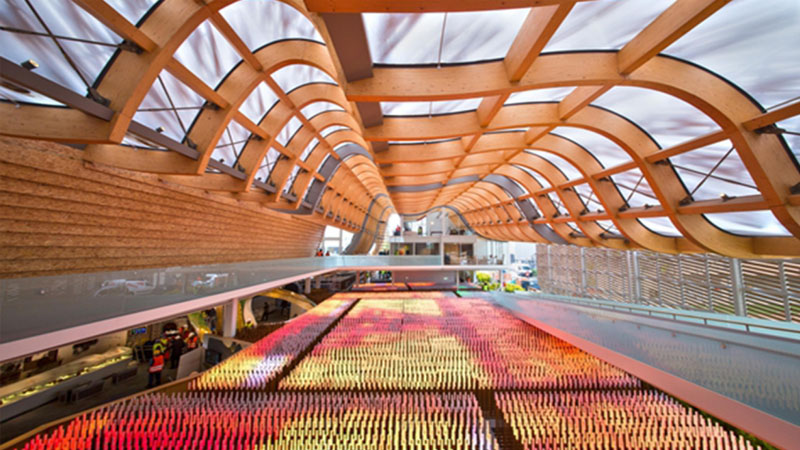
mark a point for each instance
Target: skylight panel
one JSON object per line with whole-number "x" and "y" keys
{"x": 750, "y": 223}
{"x": 634, "y": 188}
{"x": 478, "y": 36}
{"x": 606, "y": 151}
{"x": 660, "y": 225}
{"x": 753, "y": 43}
{"x": 259, "y": 102}
{"x": 667, "y": 119}
{"x": 208, "y": 54}
{"x": 540, "y": 179}
{"x": 276, "y": 21}
{"x": 296, "y": 75}
{"x": 604, "y": 24}
{"x": 429, "y": 108}
{"x": 539, "y": 95}
{"x": 309, "y": 148}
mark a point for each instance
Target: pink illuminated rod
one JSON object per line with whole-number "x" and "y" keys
{"x": 449, "y": 344}
{"x": 259, "y": 420}
{"x": 258, "y": 365}
{"x": 615, "y": 419}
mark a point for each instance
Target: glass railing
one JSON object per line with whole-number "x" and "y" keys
{"x": 34, "y": 306}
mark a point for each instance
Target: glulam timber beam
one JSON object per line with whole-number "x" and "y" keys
{"x": 422, "y": 6}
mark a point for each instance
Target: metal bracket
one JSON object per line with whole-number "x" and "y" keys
{"x": 94, "y": 95}
{"x": 770, "y": 129}
{"x": 130, "y": 46}
{"x": 685, "y": 201}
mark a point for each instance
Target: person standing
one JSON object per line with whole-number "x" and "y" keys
{"x": 176, "y": 351}
{"x": 156, "y": 366}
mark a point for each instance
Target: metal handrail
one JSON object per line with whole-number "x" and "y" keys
{"x": 708, "y": 318}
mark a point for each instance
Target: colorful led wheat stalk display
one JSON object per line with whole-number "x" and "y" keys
{"x": 445, "y": 344}
{"x": 258, "y": 365}
{"x": 614, "y": 419}
{"x": 420, "y": 355}
{"x": 259, "y": 420}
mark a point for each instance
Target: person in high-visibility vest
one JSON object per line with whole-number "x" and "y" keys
{"x": 156, "y": 366}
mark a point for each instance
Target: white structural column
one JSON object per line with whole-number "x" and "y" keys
{"x": 307, "y": 286}
{"x": 229, "y": 313}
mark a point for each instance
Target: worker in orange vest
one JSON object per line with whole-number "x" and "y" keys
{"x": 156, "y": 366}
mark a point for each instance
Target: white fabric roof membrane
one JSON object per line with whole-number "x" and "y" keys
{"x": 753, "y": 43}
{"x": 182, "y": 97}
{"x": 416, "y": 38}
{"x": 207, "y": 54}
{"x": 750, "y": 223}
{"x": 296, "y": 75}
{"x": 268, "y": 164}
{"x": 261, "y": 100}
{"x": 634, "y": 188}
{"x": 289, "y": 130}
{"x": 560, "y": 163}
{"x": 260, "y": 22}
{"x": 231, "y": 144}
{"x": 316, "y": 108}
{"x": 604, "y": 24}
{"x": 606, "y": 151}
{"x": 730, "y": 177}
{"x": 667, "y": 119}
{"x": 539, "y": 95}
{"x": 432, "y": 108}
{"x": 660, "y": 225}
{"x": 325, "y": 132}
{"x": 63, "y": 18}
{"x": 542, "y": 180}
{"x": 133, "y": 10}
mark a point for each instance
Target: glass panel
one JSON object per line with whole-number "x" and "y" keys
{"x": 660, "y": 225}
{"x": 276, "y": 21}
{"x": 207, "y": 54}
{"x": 287, "y": 188}
{"x": 296, "y": 75}
{"x": 429, "y": 108}
{"x": 556, "y": 201}
{"x": 730, "y": 178}
{"x": 416, "y": 38}
{"x": 259, "y": 102}
{"x": 133, "y": 10}
{"x": 606, "y": 151}
{"x": 539, "y": 95}
{"x": 750, "y": 223}
{"x": 669, "y": 120}
{"x": 761, "y": 32}
{"x": 604, "y": 24}
{"x": 569, "y": 171}
{"x": 315, "y": 108}
{"x": 63, "y": 19}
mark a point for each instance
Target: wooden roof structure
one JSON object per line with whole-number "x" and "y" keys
{"x": 265, "y": 131}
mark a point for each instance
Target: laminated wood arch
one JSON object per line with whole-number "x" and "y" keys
{"x": 420, "y": 163}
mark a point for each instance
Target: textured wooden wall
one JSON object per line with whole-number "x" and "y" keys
{"x": 59, "y": 214}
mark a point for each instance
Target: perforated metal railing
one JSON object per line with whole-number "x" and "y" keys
{"x": 766, "y": 289}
